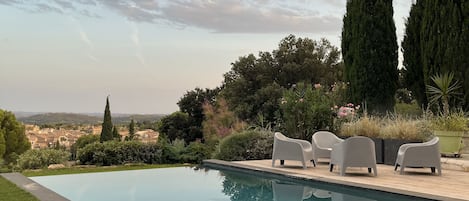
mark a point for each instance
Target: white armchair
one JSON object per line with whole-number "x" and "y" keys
{"x": 286, "y": 148}
{"x": 322, "y": 142}
{"x": 425, "y": 154}
{"x": 355, "y": 151}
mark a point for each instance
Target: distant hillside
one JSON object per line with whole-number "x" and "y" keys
{"x": 74, "y": 118}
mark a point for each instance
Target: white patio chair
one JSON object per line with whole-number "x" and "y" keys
{"x": 355, "y": 151}
{"x": 322, "y": 142}
{"x": 286, "y": 148}
{"x": 426, "y": 154}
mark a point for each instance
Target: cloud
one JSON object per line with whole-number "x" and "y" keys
{"x": 135, "y": 38}
{"x": 220, "y": 16}
{"x": 85, "y": 39}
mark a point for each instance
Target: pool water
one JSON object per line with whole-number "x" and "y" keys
{"x": 189, "y": 184}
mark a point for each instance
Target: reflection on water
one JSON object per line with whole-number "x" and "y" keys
{"x": 246, "y": 187}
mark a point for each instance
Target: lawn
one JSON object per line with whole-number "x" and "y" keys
{"x": 79, "y": 169}
{"x": 11, "y": 192}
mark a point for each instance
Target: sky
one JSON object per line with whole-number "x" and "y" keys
{"x": 69, "y": 55}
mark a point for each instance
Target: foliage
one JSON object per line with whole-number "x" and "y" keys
{"x": 246, "y": 145}
{"x": 454, "y": 121}
{"x": 90, "y": 169}
{"x": 82, "y": 142}
{"x": 131, "y": 130}
{"x": 398, "y": 127}
{"x": 40, "y": 158}
{"x": 305, "y": 110}
{"x": 192, "y": 103}
{"x": 437, "y": 43}
{"x": 196, "y": 152}
{"x": 14, "y": 141}
{"x": 115, "y": 134}
{"x": 444, "y": 90}
{"x": 176, "y": 125}
{"x": 118, "y": 153}
{"x": 106, "y": 132}
{"x": 12, "y": 192}
{"x": 254, "y": 85}
{"x": 219, "y": 121}
{"x": 409, "y": 110}
{"x": 413, "y": 71}
{"x": 368, "y": 126}
{"x": 369, "y": 49}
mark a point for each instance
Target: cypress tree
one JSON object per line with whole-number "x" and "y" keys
{"x": 106, "y": 132}
{"x": 369, "y": 48}
{"x": 438, "y": 38}
{"x": 115, "y": 134}
{"x": 131, "y": 130}
{"x": 413, "y": 71}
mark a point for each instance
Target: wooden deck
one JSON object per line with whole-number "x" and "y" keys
{"x": 419, "y": 182}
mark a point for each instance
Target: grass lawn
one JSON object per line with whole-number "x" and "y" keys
{"x": 78, "y": 169}
{"x": 11, "y": 192}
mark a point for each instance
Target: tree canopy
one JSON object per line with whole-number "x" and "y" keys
{"x": 254, "y": 85}
{"x": 13, "y": 140}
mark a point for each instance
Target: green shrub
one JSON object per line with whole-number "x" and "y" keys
{"x": 196, "y": 152}
{"x": 40, "y": 158}
{"x": 410, "y": 110}
{"x": 117, "y": 153}
{"x": 246, "y": 145}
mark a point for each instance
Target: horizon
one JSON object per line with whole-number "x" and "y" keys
{"x": 68, "y": 56}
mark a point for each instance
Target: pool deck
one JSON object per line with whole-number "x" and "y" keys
{"x": 418, "y": 182}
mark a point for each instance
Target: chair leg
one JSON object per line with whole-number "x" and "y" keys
{"x": 331, "y": 166}
{"x": 375, "y": 170}
{"x": 282, "y": 162}
{"x": 304, "y": 164}
{"x": 395, "y": 166}
{"x": 433, "y": 170}
{"x": 342, "y": 170}
{"x": 314, "y": 163}
{"x": 369, "y": 170}
{"x": 273, "y": 162}
{"x": 439, "y": 171}
{"x": 402, "y": 170}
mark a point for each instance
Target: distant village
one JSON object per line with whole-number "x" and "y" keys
{"x": 49, "y": 137}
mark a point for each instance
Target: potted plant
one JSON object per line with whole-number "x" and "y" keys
{"x": 448, "y": 126}
{"x": 450, "y": 129}
{"x": 367, "y": 126}
{"x": 397, "y": 131}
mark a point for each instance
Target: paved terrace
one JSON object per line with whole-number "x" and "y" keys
{"x": 419, "y": 182}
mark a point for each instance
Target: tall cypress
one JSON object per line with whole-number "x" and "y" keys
{"x": 369, "y": 49}
{"x": 438, "y": 38}
{"x": 131, "y": 130}
{"x": 106, "y": 132}
{"x": 413, "y": 71}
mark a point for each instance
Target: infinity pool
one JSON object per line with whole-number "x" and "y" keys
{"x": 189, "y": 184}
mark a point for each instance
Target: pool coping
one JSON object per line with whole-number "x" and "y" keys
{"x": 280, "y": 172}
{"x": 37, "y": 190}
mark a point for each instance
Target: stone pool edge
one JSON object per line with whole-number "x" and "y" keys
{"x": 37, "y": 190}
{"x": 280, "y": 172}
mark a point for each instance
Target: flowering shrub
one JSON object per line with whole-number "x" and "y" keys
{"x": 348, "y": 111}
{"x": 305, "y": 109}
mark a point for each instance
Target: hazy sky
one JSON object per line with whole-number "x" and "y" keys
{"x": 67, "y": 56}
